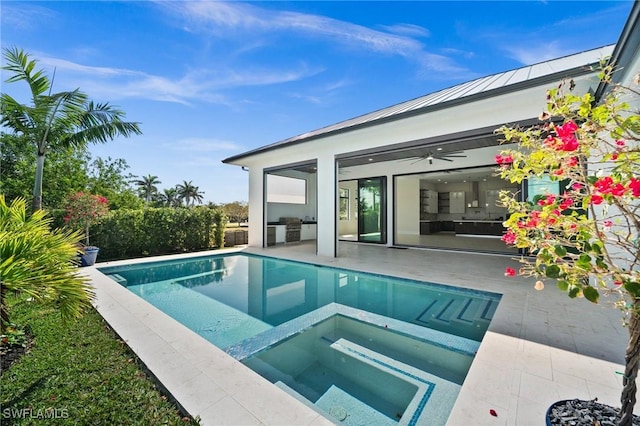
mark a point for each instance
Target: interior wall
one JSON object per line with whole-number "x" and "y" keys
{"x": 302, "y": 211}
{"x": 407, "y": 206}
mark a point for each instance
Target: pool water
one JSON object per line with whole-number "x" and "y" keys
{"x": 357, "y": 347}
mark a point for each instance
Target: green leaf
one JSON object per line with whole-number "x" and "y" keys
{"x": 584, "y": 261}
{"x": 563, "y": 285}
{"x": 561, "y": 251}
{"x": 633, "y": 288}
{"x": 591, "y": 294}
{"x": 573, "y": 293}
{"x": 552, "y": 271}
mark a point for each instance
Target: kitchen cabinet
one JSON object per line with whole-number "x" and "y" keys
{"x": 428, "y": 201}
{"x": 443, "y": 202}
{"x": 456, "y": 202}
{"x": 430, "y": 227}
{"x": 276, "y": 234}
{"x": 480, "y": 227}
{"x": 308, "y": 231}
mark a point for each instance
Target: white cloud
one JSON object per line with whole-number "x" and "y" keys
{"x": 529, "y": 55}
{"x": 195, "y": 85}
{"x": 26, "y": 16}
{"x": 224, "y": 19}
{"x": 408, "y": 30}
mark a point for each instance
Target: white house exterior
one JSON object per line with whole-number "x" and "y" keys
{"x": 418, "y": 173}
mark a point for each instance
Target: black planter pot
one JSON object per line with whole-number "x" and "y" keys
{"x": 582, "y": 413}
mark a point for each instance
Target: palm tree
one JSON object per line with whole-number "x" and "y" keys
{"x": 38, "y": 261}
{"x": 170, "y": 197}
{"x": 56, "y": 121}
{"x": 147, "y": 186}
{"x": 189, "y": 193}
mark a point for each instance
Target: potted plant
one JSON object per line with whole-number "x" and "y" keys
{"x": 83, "y": 210}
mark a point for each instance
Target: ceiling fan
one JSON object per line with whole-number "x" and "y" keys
{"x": 430, "y": 156}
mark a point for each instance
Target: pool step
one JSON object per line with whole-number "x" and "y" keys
{"x": 118, "y": 278}
{"x": 466, "y": 311}
{"x": 202, "y": 278}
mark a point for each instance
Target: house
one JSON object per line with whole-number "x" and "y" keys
{"x": 419, "y": 173}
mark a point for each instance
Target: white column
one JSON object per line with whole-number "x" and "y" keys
{"x": 390, "y": 210}
{"x": 327, "y": 195}
{"x": 257, "y": 224}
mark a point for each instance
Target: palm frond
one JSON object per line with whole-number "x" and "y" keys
{"x": 39, "y": 262}
{"x": 18, "y": 62}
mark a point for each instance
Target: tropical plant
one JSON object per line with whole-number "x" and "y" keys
{"x": 39, "y": 262}
{"x": 109, "y": 178}
{"x": 147, "y": 186}
{"x": 170, "y": 198}
{"x": 189, "y": 193}
{"x": 585, "y": 238}
{"x": 17, "y": 173}
{"x": 83, "y": 210}
{"x": 55, "y": 121}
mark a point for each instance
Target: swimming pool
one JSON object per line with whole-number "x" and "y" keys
{"x": 254, "y": 306}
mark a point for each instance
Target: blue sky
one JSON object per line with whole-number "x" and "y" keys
{"x": 208, "y": 80}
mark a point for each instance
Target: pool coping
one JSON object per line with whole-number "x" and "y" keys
{"x": 512, "y": 374}
{"x": 202, "y": 379}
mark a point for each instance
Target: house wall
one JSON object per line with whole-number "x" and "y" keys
{"x": 505, "y": 108}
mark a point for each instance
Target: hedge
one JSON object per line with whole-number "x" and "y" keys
{"x": 124, "y": 234}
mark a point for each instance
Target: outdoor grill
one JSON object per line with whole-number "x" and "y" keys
{"x": 293, "y": 228}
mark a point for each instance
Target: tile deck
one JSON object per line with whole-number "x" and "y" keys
{"x": 540, "y": 347}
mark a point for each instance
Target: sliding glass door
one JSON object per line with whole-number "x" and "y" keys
{"x": 372, "y": 219}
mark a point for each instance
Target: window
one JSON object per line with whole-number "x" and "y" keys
{"x": 288, "y": 190}
{"x": 540, "y": 186}
{"x": 344, "y": 204}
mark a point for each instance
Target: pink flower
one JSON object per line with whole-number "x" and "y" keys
{"x": 569, "y": 144}
{"x": 620, "y": 142}
{"x": 634, "y": 186}
{"x": 566, "y": 133}
{"x": 571, "y": 162}
{"x": 618, "y": 190}
{"x": 509, "y": 237}
{"x": 503, "y": 159}
{"x": 509, "y": 272}
{"x": 604, "y": 184}
{"x": 596, "y": 199}
{"x": 607, "y": 223}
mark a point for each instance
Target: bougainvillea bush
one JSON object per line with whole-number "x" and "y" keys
{"x": 83, "y": 210}
{"x": 584, "y": 237}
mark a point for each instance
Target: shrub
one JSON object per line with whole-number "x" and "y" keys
{"x": 153, "y": 231}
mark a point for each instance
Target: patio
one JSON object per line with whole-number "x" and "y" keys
{"x": 541, "y": 346}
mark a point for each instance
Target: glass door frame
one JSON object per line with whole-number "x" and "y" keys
{"x": 380, "y": 209}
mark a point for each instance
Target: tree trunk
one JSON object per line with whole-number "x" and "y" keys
{"x": 37, "y": 185}
{"x": 632, "y": 358}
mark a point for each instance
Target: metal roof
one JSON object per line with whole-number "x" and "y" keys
{"x": 509, "y": 81}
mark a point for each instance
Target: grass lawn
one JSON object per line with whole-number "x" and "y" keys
{"x": 81, "y": 373}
